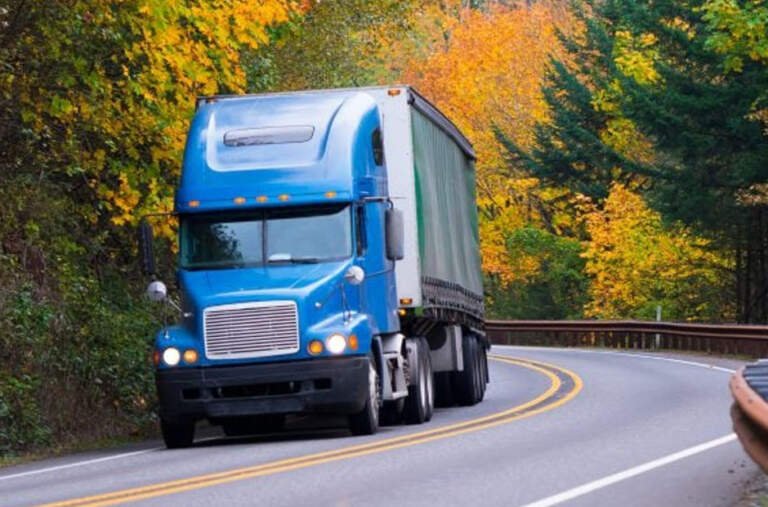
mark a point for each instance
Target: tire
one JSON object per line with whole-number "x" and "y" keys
{"x": 419, "y": 404}
{"x": 480, "y": 371}
{"x": 391, "y": 412}
{"x": 177, "y": 435}
{"x": 366, "y": 422}
{"x": 483, "y": 371}
{"x": 430, "y": 376}
{"x": 241, "y": 426}
{"x": 467, "y": 384}
{"x": 443, "y": 389}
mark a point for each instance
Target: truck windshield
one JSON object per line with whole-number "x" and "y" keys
{"x": 284, "y": 236}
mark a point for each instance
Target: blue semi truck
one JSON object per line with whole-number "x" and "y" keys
{"x": 328, "y": 263}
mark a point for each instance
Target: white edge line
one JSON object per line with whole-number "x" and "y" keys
{"x": 630, "y": 472}
{"x": 614, "y": 353}
{"x": 77, "y": 464}
{"x": 92, "y": 461}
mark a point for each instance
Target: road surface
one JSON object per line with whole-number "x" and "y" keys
{"x": 557, "y": 427}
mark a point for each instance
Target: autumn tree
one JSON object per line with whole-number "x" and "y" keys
{"x": 636, "y": 263}
{"x": 334, "y": 45}
{"x": 694, "y": 147}
{"x": 498, "y": 88}
{"x": 95, "y": 96}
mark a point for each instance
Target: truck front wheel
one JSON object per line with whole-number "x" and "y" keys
{"x": 420, "y": 402}
{"x": 366, "y": 422}
{"x": 177, "y": 435}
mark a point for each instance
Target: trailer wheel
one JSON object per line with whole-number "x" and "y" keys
{"x": 480, "y": 358}
{"x": 467, "y": 383}
{"x": 419, "y": 404}
{"x": 366, "y": 422}
{"x": 483, "y": 370}
{"x": 177, "y": 435}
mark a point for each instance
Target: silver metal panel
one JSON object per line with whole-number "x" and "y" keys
{"x": 251, "y": 330}
{"x": 398, "y": 153}
{"x": 449, "y": 357}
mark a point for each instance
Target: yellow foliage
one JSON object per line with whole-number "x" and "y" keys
{"x": 636, "y": 263}
{"x": 636, "y": 56}
{"x": 137, "y": 101}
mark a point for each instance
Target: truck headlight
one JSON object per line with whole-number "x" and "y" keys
{"x": 336, "y": 343}
{"x": 171, "y": 356}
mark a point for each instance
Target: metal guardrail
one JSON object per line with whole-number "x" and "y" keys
{"x": 750, "y": 340}
{"x": 749, "y": 413}
{"x": 749, "y": 385}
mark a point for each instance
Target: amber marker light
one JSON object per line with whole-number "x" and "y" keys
{"x": 156, "y": 357}
{"x": 239, "y": 200}
{"x": 393, "y": 92}
{"x": 190, "y": 356}
{"x": 352, "y": 342}
{"x": 315, "y": 347}
{"x": 401, "y": 312}
{"x": 283, "y": 197}
{"x": 194, "y": 204}
{"x": 330, "y": 194}
{"x": 261, "y": 198}
{"x": 406, "y": 301}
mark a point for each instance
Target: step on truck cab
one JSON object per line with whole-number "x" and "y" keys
{"x": 328, "y": 263}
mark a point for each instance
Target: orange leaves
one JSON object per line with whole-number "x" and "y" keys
{"x": 488, "y": 73}
{"x": 485, "y": 69}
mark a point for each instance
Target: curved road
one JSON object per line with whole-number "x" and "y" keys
{"x": 558, "y": 426}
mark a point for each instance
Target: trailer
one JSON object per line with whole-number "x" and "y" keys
{"x": 328, "y": 263}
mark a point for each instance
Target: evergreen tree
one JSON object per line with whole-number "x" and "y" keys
{"x": 646, "y": 65}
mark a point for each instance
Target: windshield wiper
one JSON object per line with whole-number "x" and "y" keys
{"x": 287, "y": 259}
{"x": 305, "y": 260}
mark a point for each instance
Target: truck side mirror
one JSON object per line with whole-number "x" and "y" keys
{"x": 395, "y": 234}
{"x": 146, "y": 247}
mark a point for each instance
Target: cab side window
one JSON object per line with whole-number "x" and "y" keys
{"x": 360, "y": 230}
{"x": 378, "y": 147}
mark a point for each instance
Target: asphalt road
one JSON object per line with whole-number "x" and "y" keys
{"x": 593, "y": 429}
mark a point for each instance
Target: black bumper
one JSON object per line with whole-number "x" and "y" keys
{"x": 333, "y": 385}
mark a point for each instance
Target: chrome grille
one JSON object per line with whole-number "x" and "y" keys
{"x": 251, "y": 330}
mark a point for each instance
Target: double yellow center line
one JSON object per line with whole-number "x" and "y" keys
{"x": 564, "y": 386}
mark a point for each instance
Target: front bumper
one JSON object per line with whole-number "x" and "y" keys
{"x": 328, "y": 385}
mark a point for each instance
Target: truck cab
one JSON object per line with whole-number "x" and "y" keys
{"x": 289, "y": 240}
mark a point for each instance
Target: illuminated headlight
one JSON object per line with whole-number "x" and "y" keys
{"x": 171, "y": 356}
{"x": 336, "y": 343}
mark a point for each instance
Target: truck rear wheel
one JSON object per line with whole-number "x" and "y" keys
{"x": 468, "y": 385}
{"x": 443, "y": 389}
{"x": 177, "y": 435}
{"x": 419, "y": 405}
{"x": 366, "y": 422}
{"x": 391, "y": 412}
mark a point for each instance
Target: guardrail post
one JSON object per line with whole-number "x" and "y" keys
{"x": 658, "y": 319}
